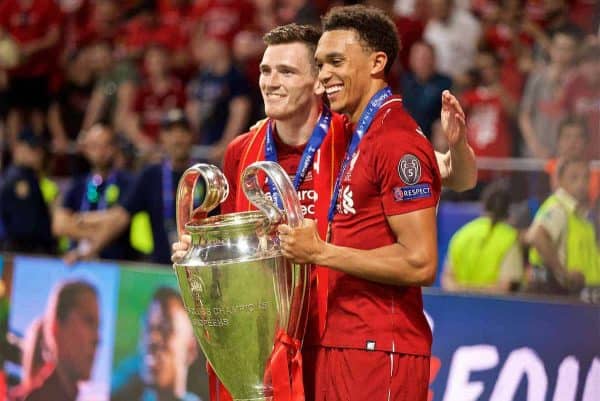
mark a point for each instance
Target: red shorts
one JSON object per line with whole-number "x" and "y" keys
{"x": 338, "y": 374}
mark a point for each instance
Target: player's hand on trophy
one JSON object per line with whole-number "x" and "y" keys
{"x": 453, "y": 119}
{"x": 301, "y": 244}
{"x": 180, "y": 248}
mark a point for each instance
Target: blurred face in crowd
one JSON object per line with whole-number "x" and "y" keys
{"x": 156, "y": 62}
{"x": 511, "y": 12}
{"x": 554, "y": 8}
{"x": 79, "y": 68}
{"x": 344, "y": 70}
{"x": 488, "y": 68}
{"x": 207, "y": 50}
{"x": 168, "y": 346}
{"x": 28, "y": 156}
{"x": 77, "y": 337}
{"x": 287, "y": 79}
{"x": 177, "y": 141}
{"x": 562, "y": 50}
{"x": 99, "y": 147}
{"x": 386, "y": 5}
{"x": 422, "y": 60}
{"x": 101, "y": 58}
{"x": 106, "y": 13}
{"x": 575, "y": 179}
{"x": 571, "y": 141}
{"x": 441, "y": 9}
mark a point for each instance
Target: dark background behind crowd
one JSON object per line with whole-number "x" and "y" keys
{"x": 95, "y": 93}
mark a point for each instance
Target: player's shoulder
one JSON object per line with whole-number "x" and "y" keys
{"x": 240, "y": 142}
{"x": 392, "y": 122}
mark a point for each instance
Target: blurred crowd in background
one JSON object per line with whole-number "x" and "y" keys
{"x": 104, "y": 103}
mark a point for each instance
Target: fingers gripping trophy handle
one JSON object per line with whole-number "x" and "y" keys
{"x": 289, "y": 197}
{"x": 216, "y": 191}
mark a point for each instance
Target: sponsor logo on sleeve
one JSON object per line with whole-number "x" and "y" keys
{"x": 409, "y": 169}
{"x": 411, "y": 192}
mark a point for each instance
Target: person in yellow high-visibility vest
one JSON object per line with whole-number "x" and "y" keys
{"x": 485, "y": 254}
{"x": 564, "y": 250}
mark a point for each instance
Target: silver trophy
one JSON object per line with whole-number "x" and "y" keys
{"x": 239, "y": 291}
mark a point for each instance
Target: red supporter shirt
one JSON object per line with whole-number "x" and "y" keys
{"x": 224, "y": 18}
{"x": 28, "y": 24}
{"x": 364, "y": 314}
{"x": 139, "y": 33}
{"x": 151, "y": 106}
{"x": 487, "y": 128}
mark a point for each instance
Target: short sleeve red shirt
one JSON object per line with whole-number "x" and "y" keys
{"x": 392, "y": 172}
{"x": 224, "y": 19}
{"x": 487, "y": 128}
{"x": 151, "y": 105}
{"x": 27, "y": 24}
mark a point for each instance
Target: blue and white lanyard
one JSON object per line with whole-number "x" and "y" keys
{"x": 313, "y": 145}
{"x": 364, "y": 122}
{"x": 93, "y": 184}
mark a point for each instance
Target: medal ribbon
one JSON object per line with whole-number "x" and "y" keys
{"x": 364, "y": 122}
{"x": 313, "y": 145}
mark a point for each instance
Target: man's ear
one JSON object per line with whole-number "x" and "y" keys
{"x": 378, "y": 62}
{"x": 318, "y": 88}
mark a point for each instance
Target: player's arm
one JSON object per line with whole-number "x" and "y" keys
{"x": 458, "y": 167}
{"x": 411, "y": 261}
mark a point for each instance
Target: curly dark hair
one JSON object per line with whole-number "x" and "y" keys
{"x": 375, "y": 28}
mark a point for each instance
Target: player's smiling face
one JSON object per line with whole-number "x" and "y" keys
{"x": 287, "y": 79}
{"x": 344, "y": 69}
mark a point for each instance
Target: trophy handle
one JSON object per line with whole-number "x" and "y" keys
{"x": 217, "y": 189}
{"x": 289, "y": 197}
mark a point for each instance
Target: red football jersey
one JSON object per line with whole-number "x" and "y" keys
{"x": 288, "y": 157}
{"x": 392, "y": 172}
